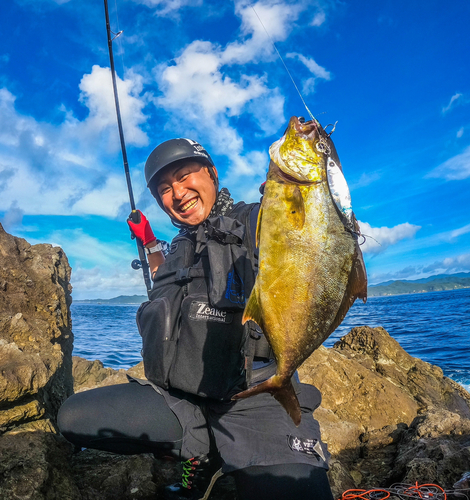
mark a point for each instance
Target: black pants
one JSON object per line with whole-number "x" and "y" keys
{"x": 132, "y": 418}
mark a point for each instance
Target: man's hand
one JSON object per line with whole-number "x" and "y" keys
{"x": 140, "y": 227}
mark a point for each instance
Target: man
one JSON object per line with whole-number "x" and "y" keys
{"x": 197, "y": 354}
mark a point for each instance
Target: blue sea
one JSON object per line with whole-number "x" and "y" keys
{"x": 433, "y": 326}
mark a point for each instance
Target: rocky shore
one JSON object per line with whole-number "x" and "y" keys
{"x": 387, "y": 417}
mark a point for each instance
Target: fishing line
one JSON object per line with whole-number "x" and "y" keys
{"x": 119, "y": 33}
{"x": 285, "y": 66}
{"x": 140, "y": 263}
{"x": 121, "y": 53}
{"x": 368, "y": 236}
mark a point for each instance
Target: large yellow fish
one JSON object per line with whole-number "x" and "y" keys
{"x": 310, "y": 264}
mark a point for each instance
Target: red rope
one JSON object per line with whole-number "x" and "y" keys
{"x": 425, "y": 494}
{"x": 416, "y": 491}
{"x": 351, "y": 494}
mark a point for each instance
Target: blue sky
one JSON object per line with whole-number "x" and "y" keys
{"x": 394, "y": 74}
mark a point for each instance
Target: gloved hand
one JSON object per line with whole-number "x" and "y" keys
{"x": 140, "y": 227}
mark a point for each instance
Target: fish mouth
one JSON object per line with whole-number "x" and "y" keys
{"x": 309, "y": 130}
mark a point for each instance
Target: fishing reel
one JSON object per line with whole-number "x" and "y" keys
{"x": 136, "y": 264}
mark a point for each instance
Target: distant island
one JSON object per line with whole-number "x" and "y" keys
{"x": 122, "y": 299}
{"x": 436, "y": 283}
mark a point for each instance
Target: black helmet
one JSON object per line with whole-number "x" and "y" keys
{"x": 173, "y": 150}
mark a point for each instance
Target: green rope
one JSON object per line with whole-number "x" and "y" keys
{"x": 187, "y": 468}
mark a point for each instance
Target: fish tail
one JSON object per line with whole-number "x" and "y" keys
{"x": 281, "y": 391}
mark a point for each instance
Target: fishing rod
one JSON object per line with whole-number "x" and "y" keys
{"x": 140, "y": 263}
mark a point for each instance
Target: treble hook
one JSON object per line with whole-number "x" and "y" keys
{"x": 333, "y": 129}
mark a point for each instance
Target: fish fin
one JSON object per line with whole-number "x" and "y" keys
{"x": 355, "y": 289}
{"x": 296, "y": 206}
{"x": 360, "y": 276}
{"x": 253, "y": 310}
{"x": 281, "y": 391}
{"x": 359, "y": 272}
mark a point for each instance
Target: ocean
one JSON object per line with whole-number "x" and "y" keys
{"x": 433, "y": 326}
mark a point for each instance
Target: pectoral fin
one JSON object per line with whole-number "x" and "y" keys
{"x": 252, "y": 310}
{"x": 258, "y": 225}
{"x": 295, "y": 206}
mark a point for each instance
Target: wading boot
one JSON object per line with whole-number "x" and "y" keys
{"x": 198, "y": 478}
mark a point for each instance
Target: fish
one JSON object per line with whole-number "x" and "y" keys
{"x": 311, "y": 268}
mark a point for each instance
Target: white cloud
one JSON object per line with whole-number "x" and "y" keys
{"x": 318, "y": 72}
{"x": 455, "y": 168}
{"x": 452, "y": 101}
{"x": 89, "y": 250}
{"x": 106, "y": 283}
{"x": 378, "y": 239}
{"x": 196, "y": 85}
{"x": 460, "y": 132}
{"x": 319, "y": 19}
{"x": 458, "y": 232}
{"x": 169, "y": 7}
{"x": 13, "y": 217}
{"x": 104, "y": 268}
{"x": 97, "y": 94}
{"x": 263, "y": 23}
{"x": 449, "y": 265}
{"x": 64, "y": 169}
{"x": 314, "y": 68}
{"x": 365, "y": 180}
{"x": 74, "y": 167}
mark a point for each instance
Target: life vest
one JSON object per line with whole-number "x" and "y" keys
{"x": 192, "y": 336}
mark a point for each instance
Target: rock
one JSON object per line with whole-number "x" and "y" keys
{"x": 436, "y": 446}
{"x": 355, "y": 394}
{"x": 35, "y": 333}
{"x": 388, "y": 417}
{"x": 425, "y": 383}
{"x": 36, "y": 466}
{"x": 106, "y": 476}
{"x": 137, "y": 371}
{"x": 92, "y": 374}
{"x": 101, "y": 476}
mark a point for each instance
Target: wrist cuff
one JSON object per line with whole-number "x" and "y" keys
{"x": 157, "y": 248}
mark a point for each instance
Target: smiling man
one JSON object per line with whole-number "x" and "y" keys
{"x": 198, "y": 354}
